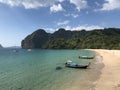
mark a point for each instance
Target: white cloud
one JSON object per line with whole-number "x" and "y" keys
{"x": 33, "y": 4}
{"x": 56, "y": 8}
{"x": 78, "y": 28}
{"x": 73, "y": 15}
{"x": 110, "y": 5}
{"x": 60, "y": 0}
{"x": 80, "y": 4}
{"x": 28, "y": 4}
{"x": 97, "y": 3}
{"x": 50, "y": 30}
{"x": 63, "y": 23}
{"x": 86, "y": 27}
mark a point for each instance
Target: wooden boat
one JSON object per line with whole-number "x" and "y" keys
{"x": 74, "y": 65}
{"x": 86, "y": 57}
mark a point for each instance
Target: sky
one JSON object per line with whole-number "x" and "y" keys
{"x": 19, "y": 18}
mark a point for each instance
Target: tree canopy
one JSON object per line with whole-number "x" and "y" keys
{"x": 108, "y": 38}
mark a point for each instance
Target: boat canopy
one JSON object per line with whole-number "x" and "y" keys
{"x": 69, "y": 61}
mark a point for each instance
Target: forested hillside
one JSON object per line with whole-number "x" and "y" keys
{"x": 108, "y": 38}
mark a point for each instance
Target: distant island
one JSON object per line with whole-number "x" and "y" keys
{"x": 108, "y": 38}
{"x": 1, "y": 46}
{"x": 15, "y": 47}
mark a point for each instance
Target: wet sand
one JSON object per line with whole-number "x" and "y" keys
{"x": 110, "y": 74}
{"x": 92, "y": 74}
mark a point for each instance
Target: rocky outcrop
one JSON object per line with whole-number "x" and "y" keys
{"x": 1, "y": 46}
{"x": 36, "y": 40}
{"x": 108, "y": 38}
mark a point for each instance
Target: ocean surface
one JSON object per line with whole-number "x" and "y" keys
{"x": 22, "y": 69}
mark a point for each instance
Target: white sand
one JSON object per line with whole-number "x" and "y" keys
{"x": 110, "y": 77}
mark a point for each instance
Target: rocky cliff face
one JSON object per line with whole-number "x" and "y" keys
{"x": 1, "y": 46}
{"x": 65, "y": 39}
{"x": 36, "y": 40}
{"x": 40, "y": 39}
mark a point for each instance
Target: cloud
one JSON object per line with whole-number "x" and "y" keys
{"x": 98, "y": 4}
{"x": 73, "y": 15}
{"x": 78, "y": 28}
{"x": 110, "y": 5}
{"x": 50, "y": 30}
{"x": 80, "y": 4}
{"x": 63, "y": 23}
{"x": 34, "y": 4}
{"x": 61, "y": 0}
{"x": 86, "y": 27}
{"x": 56, "y": 8}
{"x": 28, "y": 4}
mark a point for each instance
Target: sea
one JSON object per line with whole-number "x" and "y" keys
{"x": 35, "y": 69}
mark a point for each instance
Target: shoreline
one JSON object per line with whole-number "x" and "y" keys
{"x": 91, "y": 76}
{"x": 109, "y": 77}
{"x": 96, "y": 70}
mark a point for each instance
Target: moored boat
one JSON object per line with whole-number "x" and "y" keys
{"x": 86, "y": 57}
{"x": 75, "y": 65}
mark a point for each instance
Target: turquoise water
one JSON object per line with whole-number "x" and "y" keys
{"x": 35, "y": 69}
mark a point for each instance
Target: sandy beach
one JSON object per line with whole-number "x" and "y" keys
{"x": 110, "y": 74}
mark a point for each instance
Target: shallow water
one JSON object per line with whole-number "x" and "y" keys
{"x": 35, "y": 69}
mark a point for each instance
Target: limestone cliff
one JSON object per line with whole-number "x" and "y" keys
{"x": 36, "y": 40}
{"x": 108, "y": 38}
{"x": 1, "y": 46}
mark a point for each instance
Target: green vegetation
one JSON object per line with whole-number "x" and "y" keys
{"x": 108, "y": 38}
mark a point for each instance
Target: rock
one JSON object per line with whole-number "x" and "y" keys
{"x": 36, "y": 40}
{"x": 1, "y": 46}
{"x": 58, "y": 68}
{"x": 108, "y": 38}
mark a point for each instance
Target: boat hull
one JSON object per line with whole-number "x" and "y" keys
{"x": 78, "y": 66}
{"x": 85, "y": 57}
